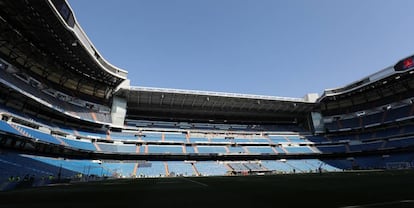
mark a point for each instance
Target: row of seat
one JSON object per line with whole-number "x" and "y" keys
{"x": 55, "y": 103}
{"x": 367, "y": 120}
{"x": 88, "y": 144}
{"x": 44, "y": 166}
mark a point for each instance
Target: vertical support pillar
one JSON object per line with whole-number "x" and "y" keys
{"x": 118, "y": 111}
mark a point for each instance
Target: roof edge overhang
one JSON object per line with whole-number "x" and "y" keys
{"x": 212, "y": 93}
{"x": 87, "y": 44}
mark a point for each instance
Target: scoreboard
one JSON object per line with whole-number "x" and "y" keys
{"x": 405, "y": 64}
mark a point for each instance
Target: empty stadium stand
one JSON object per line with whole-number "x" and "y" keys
{"x": 68, "y": 114}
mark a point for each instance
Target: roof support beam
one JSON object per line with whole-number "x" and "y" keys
{"x": 162, "y": 98}
{"x": 138, "y": 98}
{"x": 205, "y": 102}
{"x": 223, "y": 105}
{"x": 242, "y": 106}
{"x": 183, "y": 101}
{"x": 194, "y": 100}
{"x": 214, "y": 104}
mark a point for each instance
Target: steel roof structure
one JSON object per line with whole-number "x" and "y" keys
{"x": 174, "y": 104}
{"x": 35, "y": 35}
{"x": 44, "y": 38}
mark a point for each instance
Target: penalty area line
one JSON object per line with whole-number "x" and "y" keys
{"x": 381, "y": 204}
{"x": 196, "y": 182}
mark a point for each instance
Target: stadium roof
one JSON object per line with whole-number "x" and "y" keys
{"x": 160, "y": 103}
{"x": 376, "y": 80}
{"x": 48, "y": 31}
{"x": 373, "y": 90}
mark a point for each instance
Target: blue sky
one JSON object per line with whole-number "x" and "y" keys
{"x": 267, "y": 47}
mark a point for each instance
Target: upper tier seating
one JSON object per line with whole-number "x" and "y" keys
{"x": 38, "y": 135}
{"x": 298, "y": 149}
{"x": 360, "y": 120}
{"x": 165, "y": 149}
{"x": 332, "y": 148}
{"x": 5, "y": 127}
{"x": 84, "y": 145}
{"x": 237, "y": 149}
{"x": 175, "y": 137}
{"x": 39, "y": 91}
{"x": 123, "y": 136}
{"x": 211, "y": 149}
{"x": 260, "y": 149}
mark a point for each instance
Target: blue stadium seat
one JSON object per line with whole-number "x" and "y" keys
{"x": 105, "y": 147}
{"x": 151, "y": 137}
{"x": 298, "y": 149}
{"x": 175, "y": 138}
{"x": 278, "y": 139}
{"x": 219, "y": 140}
{"x": 178, "y": 168}
{"x": 4, "y": 126}
{"x": 331, "y": 148}
{"x": 397, "y": 113}
{"x": 127, "y": 148}
{"x": 123, "y": 136}
{"x": 404, "y": 142}
{"x": 40, "y": 135}
{"x": 211, "y": 149}
{"x": 151, "y": 169}
{"x": 198, "y": 140}
{"x": 80, "y": 144}
{"x": 279, "y": 166}
{"x": 260, "y": 149}
{"x": 210, "y": 168}
{"x": 239, "y": 167}
{"x": 118, "y": 169}
{"x": 189, "y": 149}
{"x": 366, "y": 146}
{"x": 165, "y": 149}
{"x": 236, "y": 150}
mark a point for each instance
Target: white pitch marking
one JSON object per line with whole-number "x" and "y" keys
{"x": 199, "y": 183}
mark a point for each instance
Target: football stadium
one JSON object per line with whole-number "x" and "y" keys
{"x": 74, "y": 131}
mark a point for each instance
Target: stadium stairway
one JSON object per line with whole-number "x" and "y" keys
{"x": 134, "y": 172}
{"x": 167, "y": 172}
{"x": 19, "y": 130}
{"x": 246, "y": 150}
{"x": 283, "y": 149}
{"x": 227, "y": 149}
{"x": 184, "y": 149}
{"x": 93, "y": 115}
{"x": 97, "y": 146}
{"x": 137, "y": 150}
{"x": 195, "y": 149}
{"x": 187, "y": 137}
{"x": 195, "y": 169}
{"x": 314, "y": 149}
